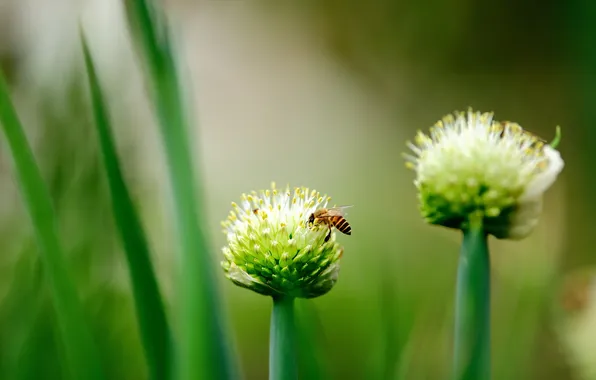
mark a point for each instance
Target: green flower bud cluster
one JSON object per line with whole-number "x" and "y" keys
{"x": 273, "y": 250}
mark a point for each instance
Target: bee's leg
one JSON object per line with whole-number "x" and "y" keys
{"x": 328, "y": 234}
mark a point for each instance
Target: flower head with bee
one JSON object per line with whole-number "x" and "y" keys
{"x": 275, "y": 249}
{"x": 470, "y": 166}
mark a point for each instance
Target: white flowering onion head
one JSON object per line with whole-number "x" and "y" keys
{"x": 470, "y": 166}
{"x": 273, "y": 250}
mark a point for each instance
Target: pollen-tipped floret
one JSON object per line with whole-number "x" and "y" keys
{"x": 470, "y": 164}
{"x": 273, "y": 250}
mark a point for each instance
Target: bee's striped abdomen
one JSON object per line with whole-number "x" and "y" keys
{"x": 341, "y": 224}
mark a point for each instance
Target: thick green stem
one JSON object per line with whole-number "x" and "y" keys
{"x": 282, "y": 340}
{"x": 472, "y": 308}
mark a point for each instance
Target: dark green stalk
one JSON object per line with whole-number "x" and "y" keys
{"x": 153, "y": 325}
{"x": 202, "y": 352}
{"x": 282, "y": 340}
{"x": 472, "y": 308}
{"x": 81, "y": 351}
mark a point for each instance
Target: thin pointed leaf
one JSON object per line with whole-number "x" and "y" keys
{"x": 203, "y": 351}
{"x": 153, "y": 325}
{"x": 81, "y": 351}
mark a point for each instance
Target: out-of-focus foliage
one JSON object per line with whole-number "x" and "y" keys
{"x": 69, "y": 159}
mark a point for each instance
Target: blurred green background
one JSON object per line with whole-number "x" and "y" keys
{"x": 321, "y": 94}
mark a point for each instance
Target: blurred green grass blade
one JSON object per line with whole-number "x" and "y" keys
{"x": 397, "y": 320}
{"x": 313, "y": 363}
{"x": 81, "y": 351}
{"x": 203, "y": 351}
{"x": 155, "y": 332}
{"x": 27, "y": 283}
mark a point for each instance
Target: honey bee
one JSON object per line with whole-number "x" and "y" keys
{"x": 332, "y": 217}
{"x": 255, "y": 211}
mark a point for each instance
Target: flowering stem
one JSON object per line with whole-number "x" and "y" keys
{"x": 472, "y": 307}
{"x": 282, "y": 358}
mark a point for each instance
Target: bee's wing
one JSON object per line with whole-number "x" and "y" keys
{"x": 338, "y": 210}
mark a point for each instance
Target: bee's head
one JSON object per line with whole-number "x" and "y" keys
{"x": 311, "y": 218}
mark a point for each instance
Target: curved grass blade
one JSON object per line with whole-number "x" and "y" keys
{"x": 81, "y": 351}
{"x": 203, "y": 351}
{"x": 155, "y": 332}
